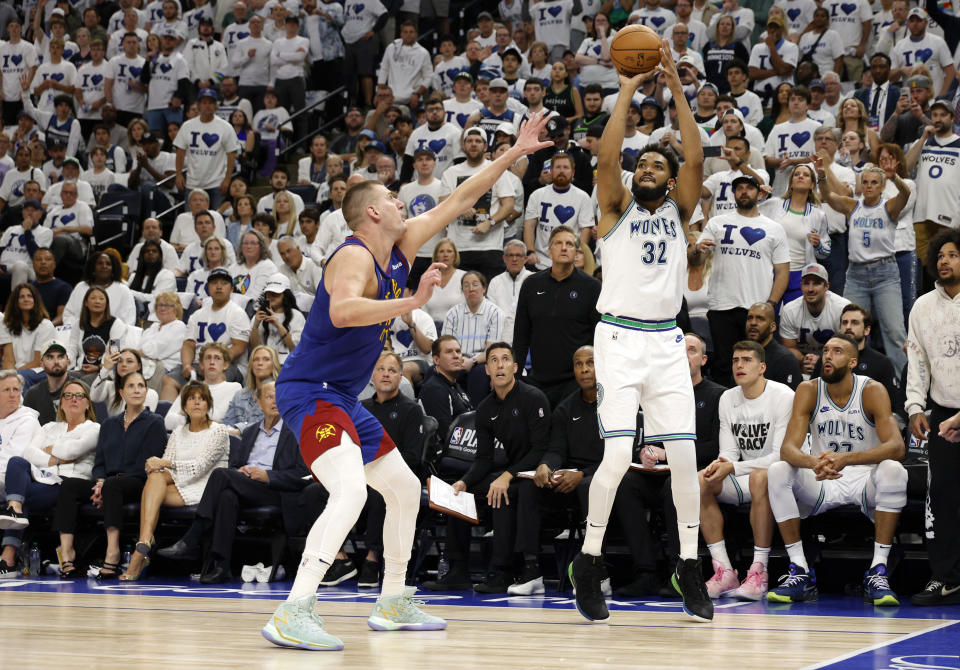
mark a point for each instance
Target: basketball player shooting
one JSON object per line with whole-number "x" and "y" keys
{"x": 639, "y": 351}
{"x": 345, "y": 447}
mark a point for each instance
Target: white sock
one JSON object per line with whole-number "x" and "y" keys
{"x": 718, "y": 550}
{"x": 394, "y": 578}
{"x": 881, "y": 553}
{"x": 795, "y": 552}
{"x": 689, "y": 539}
{"x": 593, "y": 538}
{"x": 309, "y": 574}
{"x": 761, "y": 555}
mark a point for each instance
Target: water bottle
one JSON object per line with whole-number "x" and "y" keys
{"x": 33, "y": 560}
{"x": 125, "y": 561}
{"x": 443, "y": 567}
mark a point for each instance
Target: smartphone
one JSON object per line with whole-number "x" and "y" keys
{"x": 712, "y": 152}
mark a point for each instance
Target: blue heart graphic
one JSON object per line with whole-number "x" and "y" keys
{"x": 658, "y": 21}
{"x": 822, "y": 336}
{"x": 923, "y": 55}
{"x": 18, "y": 190}
{"x": 17, "y": 59}
{"x": 216, "y": 330}
{"x": 165, "y": 67}
{"x": 436, "y": 146}
{"x": 800, "y": 138}
{"x": 564, "y": 214}
{"x": 744, "y": 111}
{"x": 67, "y": 218}
{"x": 452, "y": 72}
{"x": 22, "y": 239}
{"x": 555, "y": 11}
{"x": 242, "y": 35}
{"x": 358, "y": 8}
{"x": 597, "y": 49}
{"x": 136, "y": 71}
{"x": 462, "y": 119}
{"x": 752, "y": 235}
{"x": 67, "y": 54}
{"x": 210, "y": 139}
{"x": 96, "y": 79}
{"x": 794, "y": 13}
{"x": 848, "y": 8}
{"x": 57, "y": 76}
{"x": 404, "y": 337}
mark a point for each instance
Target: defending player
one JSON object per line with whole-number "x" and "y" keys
{"x": 344, "y": 446}
{"x": 753, "y": 420}
{"x": 639, "y": 352}
{"x": 854, "y": 459}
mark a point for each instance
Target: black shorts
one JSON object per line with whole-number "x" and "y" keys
{"x": 361, "y": 57}
{"x": 11, "y": 111}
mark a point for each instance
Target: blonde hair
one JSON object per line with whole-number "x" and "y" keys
{"x": 456, "y": 252}
{"x": 357, "y": 199}
{"x": 292, "y": 218}
{"x": 90, "y": 414}
{"x": 251, "y": 381}
{"x": 173, "y": 298}
{"x": 812, "y": 197}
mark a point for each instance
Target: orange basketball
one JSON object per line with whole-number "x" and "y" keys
{"x": 635, "y": 49}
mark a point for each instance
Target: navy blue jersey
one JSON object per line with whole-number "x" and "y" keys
{"x": 341, "y": 359}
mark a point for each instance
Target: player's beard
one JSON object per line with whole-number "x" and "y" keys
{"x": 644, "y": 194}
{"x": 834, "y": 376}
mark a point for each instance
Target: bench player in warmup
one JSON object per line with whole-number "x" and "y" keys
{"x": 854, "y": 459}
{"x": 639, "y": 353}
{"x": 344, "y": 446}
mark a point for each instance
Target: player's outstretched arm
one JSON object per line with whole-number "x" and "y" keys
{"x": 423, "y": 227}
{"x": 690, "y": 179}
{"x": 804, "y": 404}
{"x": 346, "y": 278}
{"x": 612, "y": 195}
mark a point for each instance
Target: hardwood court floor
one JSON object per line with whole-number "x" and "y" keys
{"x": 103, "y": 630}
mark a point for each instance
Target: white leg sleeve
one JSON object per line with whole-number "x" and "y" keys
{"x": 340, "y": 471}
{"x": 781, "y": 477}
{"x": 390, "y": 476}
{"x": 682, "y": 458}
{"x": 603, "y": 489}
{"x": 887, "y": 487}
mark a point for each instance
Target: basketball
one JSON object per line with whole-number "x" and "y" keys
{"x": 635, "y": 49}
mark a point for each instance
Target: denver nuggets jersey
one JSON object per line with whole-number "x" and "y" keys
{"x": 341, "y": 359}
{"x": 872, "y": 232}
{"x": 644, "y": 264}
{"x": 841, "y": 429}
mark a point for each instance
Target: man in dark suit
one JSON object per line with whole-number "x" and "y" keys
{"x": 880, "y": 99}
{"x": 264, "y": 468}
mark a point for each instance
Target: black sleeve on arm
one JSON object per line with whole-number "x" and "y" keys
{"x": 708, "y": 430}
{"x": 483, "y": 462}
{"x": 556, "y": 454}
{"x": 531, "y": 178}
{"x": 381, "y": 22}
{"x": 185, "y": 90}
{"x": 412, "y": 438}
{"x": 538, "y": 433}
{"x": 437, "y": 404}
{"x": 406, "y": 170}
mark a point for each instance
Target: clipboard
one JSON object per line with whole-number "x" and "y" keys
{"x": 442, "y": 499}
{"x": 659, "y": 468}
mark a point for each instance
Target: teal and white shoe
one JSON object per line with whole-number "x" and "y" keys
{"x": 296, "y": 624}
{"x": 402, "y": 613}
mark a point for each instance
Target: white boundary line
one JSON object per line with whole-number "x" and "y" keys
{"x": 878, "y": 645}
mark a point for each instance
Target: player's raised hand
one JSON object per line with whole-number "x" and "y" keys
{"x": 528, "y": 139}
{"x": 668, "y": 66}
{"x": 428, "y": 281}
{"x": 638, "y": 80}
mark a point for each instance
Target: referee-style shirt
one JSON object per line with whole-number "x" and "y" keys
{"x": 520, "y": 423}
{"x": 473, "y": 331}
{"x": 554, "y": 319}
{"x": 575, "y": 440}
{"x": 402, "y": 418}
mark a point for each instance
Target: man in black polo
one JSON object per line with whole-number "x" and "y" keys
{"x": 782, "y": 365}
{"x": 556, "y": 315}
{"x": 402, "y": 418}
{"x": 440, "y": 395}
{"x": 566, "y": 469}
{"x": 517, "y": 416}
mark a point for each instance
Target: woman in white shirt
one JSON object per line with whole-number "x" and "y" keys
{"x": 151, "y": 277}
{"x": 804, "y": 222}
{"x": 215, "y": 359}
{"x": 285, "y": 213}
{"x": 448, "y": 293}
{"x": 116, "y": 366}
{"x": 253, "y": 266}
{"x": 61, "y": 449}
{"x": 177, "y": 478}
{"x": 279, "y": 325}
{"x": 214, "y": 256}
{"x": 161, "y": 342}
{"x": 476, "y": 322}
{"x": 593, "y": 56}
{"x": 25, "y": 328}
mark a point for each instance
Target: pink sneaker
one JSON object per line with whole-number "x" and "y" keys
{"x": 755, "y": 585}
{"x": 723, "y": 582}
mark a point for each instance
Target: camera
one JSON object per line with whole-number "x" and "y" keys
{"x": 263, "y": 303}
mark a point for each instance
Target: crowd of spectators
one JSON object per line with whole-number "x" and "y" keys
{"x": 840, "y": 117}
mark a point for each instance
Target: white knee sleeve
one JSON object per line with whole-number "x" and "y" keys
{"x": 780, "y": 479}
{"x": 617, "y": 452}
{"x": 682, "y": 458}
{"x": 890, "y": 480}
{"x": 340, "y": 471}
{"x": 391, "y": 477}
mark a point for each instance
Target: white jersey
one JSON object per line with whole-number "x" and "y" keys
{"x": 930, "y": 50}
{"x": 15, "y": 61}
{"x": 551, "y": 21}
{"x": 847, "y": 18}
{"x": 938, "y": 182}
{"x": 459, "y": 112}
{"x": 444, "y": 142}
{"x": 644, "y": 264}
{"x": 760, "y": 58}
{"x": 841, "y": 429}
{"x": 872, "y": 232}
{"x": 550, "y": 209}
{"x": 811, "y": 332}
{"x": 125, "y": 72}
{"x": 752, "y": 429}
